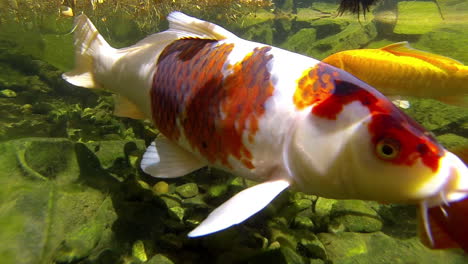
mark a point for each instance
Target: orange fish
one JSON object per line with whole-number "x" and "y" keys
{"x": 399, "y": 70}
{"x": 270, "y": 115}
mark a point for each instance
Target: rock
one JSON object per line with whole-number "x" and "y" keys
{"x": 177, "y": 212}
{"x": 343, "y": 246}
{"x": 111, "y": 152}
{"x": 332, "y": 36}
{"x": 438, "y": 117}
{"x": 7, "y": 93}
{"x": 282, "y": 255}
{"x": 259, "y": 17}
{"x": 171, "y": 200}
{"x": 302, "y": 222}
{"x": 160, "y": 187}
{"x": 355, "y": 216}
{"x": 138, "y": 251}
{"x": 187, "y": 190}
{"x": 262, "y": 33}
{"x": 159, "y": 259}
{"x": 302, "y": 204}
{"x": 80, "y": 242}
{"x": 323, "y": 206}
{"x": 300, "y": 39}
{"x": 378, "y": 248}
{"x": 216, "y": 191}
{"x": 312, "y": 247}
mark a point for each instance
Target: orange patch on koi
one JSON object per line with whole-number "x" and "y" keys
{"x": 314, "y": 86}
{"x": 214, "y": 112}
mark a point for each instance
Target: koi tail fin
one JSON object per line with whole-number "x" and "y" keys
{"x": 447, "y": 226}
{"x": 92, "y": 53}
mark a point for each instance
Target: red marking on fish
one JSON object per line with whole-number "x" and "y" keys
{"x": 174, "y": 78}
{"x": 333, "y": 88}
{"x": 214, "y": 111}
{"x": 449, "y": 223}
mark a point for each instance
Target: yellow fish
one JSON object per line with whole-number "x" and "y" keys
{"x": 400, "y": 70}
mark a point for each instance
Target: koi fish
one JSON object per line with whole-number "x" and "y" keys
{"x": 270, "y": 115}
{"x": 399, "y": 70}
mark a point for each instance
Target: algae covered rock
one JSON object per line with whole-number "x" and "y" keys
{"x": 46, "y": 202}
{"x": 7, "y": 93}
{"x": 187, "y": 190}
{"x": 378, "y": 248}
{"x": 438, "y": 117}
{"x": 326, "y": 36}
{"x": 303, "y": 38}
{"x": 355, "y": 216}
{"x": 159, "y": 259}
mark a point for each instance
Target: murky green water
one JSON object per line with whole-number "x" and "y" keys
{"x": 71, "y": 188}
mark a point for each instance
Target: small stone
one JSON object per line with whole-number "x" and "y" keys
{"x": 323, "y": 206}
{"x": 217, "y": 190}
{"x": 274, "y": 245}
{"x": 317, "y": 261}
{"x": 170, "y": 201}
{"x": 159, "y": 259}
{"x": 313, "y": 247}
{"x": 133, "y": 160}
{"x": 194, "y": 201}
{"x": 161, "y": 188}
{"x": 187, "y": 190}
{"x": 26, "y": 109}
{"x": 138, "y": 251}
{"x": 178, "y": 212}
{"x": 302, "y": 204}
{"x": 302, "y": 222}
{"x": 7, "y": 93}
{"x": 144, "y": 185}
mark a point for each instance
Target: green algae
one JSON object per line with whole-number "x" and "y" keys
{"x": 417, "y": 17}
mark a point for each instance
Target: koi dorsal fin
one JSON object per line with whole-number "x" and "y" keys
{"x": 192, "y": 27}
{"x": 404, "y": 49}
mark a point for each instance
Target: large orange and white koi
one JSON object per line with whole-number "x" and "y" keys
{"x": 269, "y": 115}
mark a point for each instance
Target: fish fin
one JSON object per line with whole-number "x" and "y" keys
{"x": 125, "y": 108}
{"x": 164, "y": 159}
{"x": 404, "y": 48}
{"x": 192, "y": 27}
{"x": 88, "y": 44}
{"x": 451, "y": 220}
{"x": 240, "y": 207}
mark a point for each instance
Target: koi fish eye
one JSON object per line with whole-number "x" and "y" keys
{"x": 387, "y": 149}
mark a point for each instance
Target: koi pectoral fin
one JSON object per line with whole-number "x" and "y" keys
{"x": 164, "y": 159}
{"x": 240, "y": 207}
